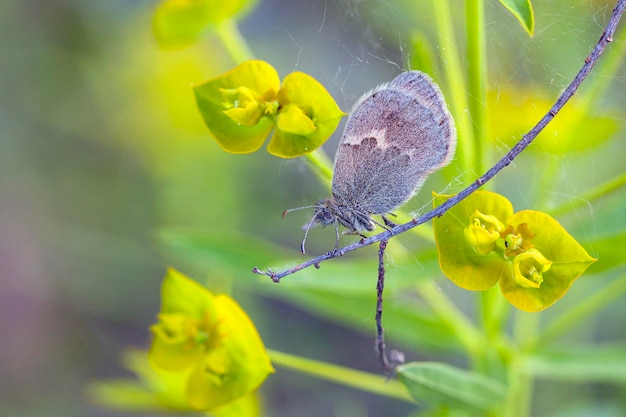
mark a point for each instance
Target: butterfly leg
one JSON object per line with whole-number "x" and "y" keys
{"x": 354, "y": 232}
{"x": 388, "y": 222}
{"x": 336, "y": 238}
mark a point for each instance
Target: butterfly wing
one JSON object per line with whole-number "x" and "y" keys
{"x": 397, "y": 134}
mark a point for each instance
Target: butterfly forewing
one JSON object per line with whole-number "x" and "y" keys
{"x": 397, "y": 134}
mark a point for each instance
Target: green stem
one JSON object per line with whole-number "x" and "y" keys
{"x": 456, "y": 83}
{"x": 477, "y": 76}
{"x": 520, "y": 390}
{"x": 453, "y": 317}
{"x": 525, "y": 333}
{"x": 546, "y": 183}
{"x": 322, "y": 165}
{"x": 492, "y": 358}
{"x": 492, "y": 311}
{"x": 583, "y": 310}
{"x": 601, "y": 190}
{"x": 233, "y": 41}
{"x": 376, "y": 384}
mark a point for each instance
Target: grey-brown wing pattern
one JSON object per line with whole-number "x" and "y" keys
{"x": 396, "y": 135}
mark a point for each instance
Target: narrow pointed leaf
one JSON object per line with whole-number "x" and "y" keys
{"x": 523, "y": 12}
{"x": 441, "y": 384}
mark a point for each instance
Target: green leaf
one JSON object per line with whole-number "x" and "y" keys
{"x": 514, "y": 108}
{"x": 236, "y": 254}
{"x": 441, "y": 384}
{"x": 423, "y": 56}
{"x": 124, "y": 394}
{"x": 341, "y": 290}
{"x": 153, "y": 390}
{"x": 458, "y": 258}
{"x": 406, "y": 320}
{"x": 158, "y": 391}
{"x": 568, "y": 261}
{"x": 306, "y": 119}
{"x": 611, "y": 251}
{"x": 252, "y": 86}
{"x": 231, "y": 253}
{"x": 523, "y": 12}
{"x": 179, "y": 23}
{"x": 583, "y": 364}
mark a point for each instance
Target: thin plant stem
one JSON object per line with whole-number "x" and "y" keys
{"x": 456, "y": 83}
{"x": 363, "y": 381}
{"x": 477, "y": 76}
{"x": 590, "y": 61}
{"x": 463, "y": 329}
{"x": 525, "y": 334}
{"x": 493, "y": 310}
{"x": 380, "y": 287}
{"x": 322, "y": 165}
{"x": 547, "y": 182}
{"x": 233, "y": 41}
{"x": 601, "y": 190}
{"x": 582, "y": 310}
{"x": 441, "y": 305}
{"x": 520, "y": 390}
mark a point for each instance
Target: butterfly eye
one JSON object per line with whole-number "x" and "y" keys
{"x": 324, "y": 216}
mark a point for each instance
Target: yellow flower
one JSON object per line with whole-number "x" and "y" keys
{"x": 210, "y": 340}
{"x": 530, "y": 255}
{"x": 483, "y": 232}
{"x": 242, "y": 106}
{"x": 517, "y": 240}
{"x": 528, "y": 268}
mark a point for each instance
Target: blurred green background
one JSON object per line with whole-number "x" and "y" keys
{"x": 102, "y": 151}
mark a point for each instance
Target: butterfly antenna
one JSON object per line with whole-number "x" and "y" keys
{"x": 306, "y": 233}
{"x": 297, "y": 208}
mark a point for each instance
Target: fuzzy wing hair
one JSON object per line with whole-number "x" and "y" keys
{"x": 397, "y": 135}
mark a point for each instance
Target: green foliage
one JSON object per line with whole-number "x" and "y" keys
{"x": 523, "y": 12}
{"x": 581, "y": 363}
{"x": 577, "y": 128}
{"x": 207, "y": 355}
{"x": 156, "y": 390}
{"x": 439, "y": 384}
{"x": 179, "y": 23}
{"x": 152, "y": 390}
